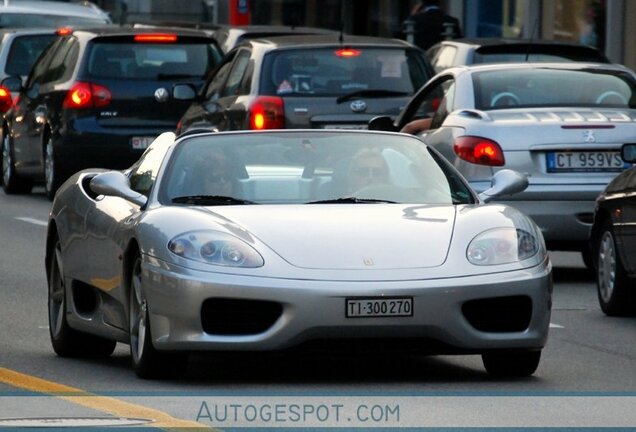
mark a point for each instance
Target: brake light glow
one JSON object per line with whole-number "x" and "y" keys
{"x": 480, "y": 151}
{"x": 156, "y": 38}
{"x": 267, "y": 112}
{"x": 87, "y": 95}
{"x": 6, "y": 101}
{"x": 348, "y": 52}
{"x": 64, "y": 31}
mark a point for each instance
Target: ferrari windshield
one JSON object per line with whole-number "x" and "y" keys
{"x": 294, "y": 167}
{"x": 549, "y": 87}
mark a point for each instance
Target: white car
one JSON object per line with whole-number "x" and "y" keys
{"x": 51, "y": 14}
{"x": 562, "y": 124}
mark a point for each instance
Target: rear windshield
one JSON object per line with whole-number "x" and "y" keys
{"x": 546, "y": 53}
{"x": 43, "y": 20}
{"x": 333, "y": 72}
{"x": 24, "y": 51}
{"x": 155, "y": 61}
{"x": 553, "y": 88}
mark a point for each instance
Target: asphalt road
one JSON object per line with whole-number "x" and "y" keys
{"x": 587, "y": 376}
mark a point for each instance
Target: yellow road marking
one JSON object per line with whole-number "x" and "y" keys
{"x": 115, "y": 407}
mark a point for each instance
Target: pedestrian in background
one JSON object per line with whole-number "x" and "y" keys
{"x": 432, "y": 24}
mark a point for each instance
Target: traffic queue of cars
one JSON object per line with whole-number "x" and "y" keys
{"x": 254, "y": 224}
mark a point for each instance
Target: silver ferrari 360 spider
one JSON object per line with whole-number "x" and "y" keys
{"x": 261, "y": 241}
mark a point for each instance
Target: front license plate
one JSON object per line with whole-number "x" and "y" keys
{"x": 589, "y": 161}
{"x": 141, "y": 143}
{"x": 347, "y": 126}
{"x": 379, "y": 307}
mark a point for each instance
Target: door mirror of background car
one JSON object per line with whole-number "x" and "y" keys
{"x": 184, "y": 92}
{"x": 628, "y": 152}
{"x": 116, "y": 184}
{"x": 504, "y": 182}
{"x": 12, "y": 83}
{"x": 382, "y": 123}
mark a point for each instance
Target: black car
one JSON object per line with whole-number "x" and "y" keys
{"x": 98, "y": 97}
{"x": 467, "y": 51}
{"x": 613, "y": 241}
{"x": 318, "y": 81}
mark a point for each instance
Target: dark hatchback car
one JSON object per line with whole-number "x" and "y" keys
{"x": 468, "y": 51}
{"x": 98, "y": 97}
{"x": 613, "y": 241}
{"x": 311, "y": 82}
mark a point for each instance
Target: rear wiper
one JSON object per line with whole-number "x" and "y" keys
{"x": 352, "y": 200}
{"x": 369, "y": 93}
{"x": 210, "y": 200}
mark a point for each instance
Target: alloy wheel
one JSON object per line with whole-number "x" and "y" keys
{"x": 49, "y": 165}
{"x": 7, "y": 163}
{"x": 606, "y": 266}
{"x": 56, "y": 294}
{"x": 138, "y": 314}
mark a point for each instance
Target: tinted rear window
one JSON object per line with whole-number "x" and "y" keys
{"x": 24, "y": 51}
{"x": 538, "y": 53}
{"x": 43, "y": 20}
{"x": 553, "y": 88}
{"x": 325, "y": 72}
{"x": 154, "y": 61}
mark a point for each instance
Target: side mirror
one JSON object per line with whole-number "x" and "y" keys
{"x": 628, "y": 152}
{"x": 12, "y": 83}
{"x": 504, "y": 182}
{"x": 116, "y": 184}
{"x": 184, "y": 92}
{"x": 382, "y": 123}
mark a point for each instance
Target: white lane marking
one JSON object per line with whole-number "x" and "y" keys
{"x": 33, "y": 221}
{"x": 556, "y": 326}
{"x": 43, "y": 327}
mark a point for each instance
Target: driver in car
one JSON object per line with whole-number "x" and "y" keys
{"x": 368, "y": 168}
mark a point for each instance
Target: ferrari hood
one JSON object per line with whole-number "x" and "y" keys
{"x": 343, "y": 236}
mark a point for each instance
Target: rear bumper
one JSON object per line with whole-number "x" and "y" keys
{"x": 87, "y": 145}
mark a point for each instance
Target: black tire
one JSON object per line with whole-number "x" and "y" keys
{"x": 147, "y": 362}
{"x": 53, "y": 173}
{"x": 66, "y": 341}
{"x": 12, "y": 183}
{"x": 511, "y": 363}
{"x": 616, "y": 291}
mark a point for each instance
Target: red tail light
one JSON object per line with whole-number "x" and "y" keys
{"x": 6, "y": 101}
{"x": 156, "y": 38}
{"x": 267, "y": 112}
{"x": 64, "y": 31}
{"x": 477, "y": 150}
{"x": 348, "y": 52}
{"x": 87, "y": 95}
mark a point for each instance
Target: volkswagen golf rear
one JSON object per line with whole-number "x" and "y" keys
{"x": 98, "y": 97}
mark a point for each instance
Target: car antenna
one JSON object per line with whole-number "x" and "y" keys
{"x": 341, "y": 36}
{"x": 535, "y": 29}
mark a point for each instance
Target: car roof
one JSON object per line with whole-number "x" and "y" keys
{"x": 345, "y": 41}
{"x": 530, "y": 65}
{"x": 26, "y": 31}
{"x": 491, "y": 42}
{"x": 125, "y": 30}
{"x": 85, "y": 9}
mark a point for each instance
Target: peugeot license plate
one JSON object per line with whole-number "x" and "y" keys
{"x": 588, "y": 161}
{"x": 379, "y": 307}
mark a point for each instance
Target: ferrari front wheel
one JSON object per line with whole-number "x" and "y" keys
{"x": 147, "y": 361}
{"x": 511, "y": 363}
{"x": 66, "y": 341}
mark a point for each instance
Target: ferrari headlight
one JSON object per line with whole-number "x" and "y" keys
{"x": 502, "y": 246}
{"x": 215, "y": 247}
